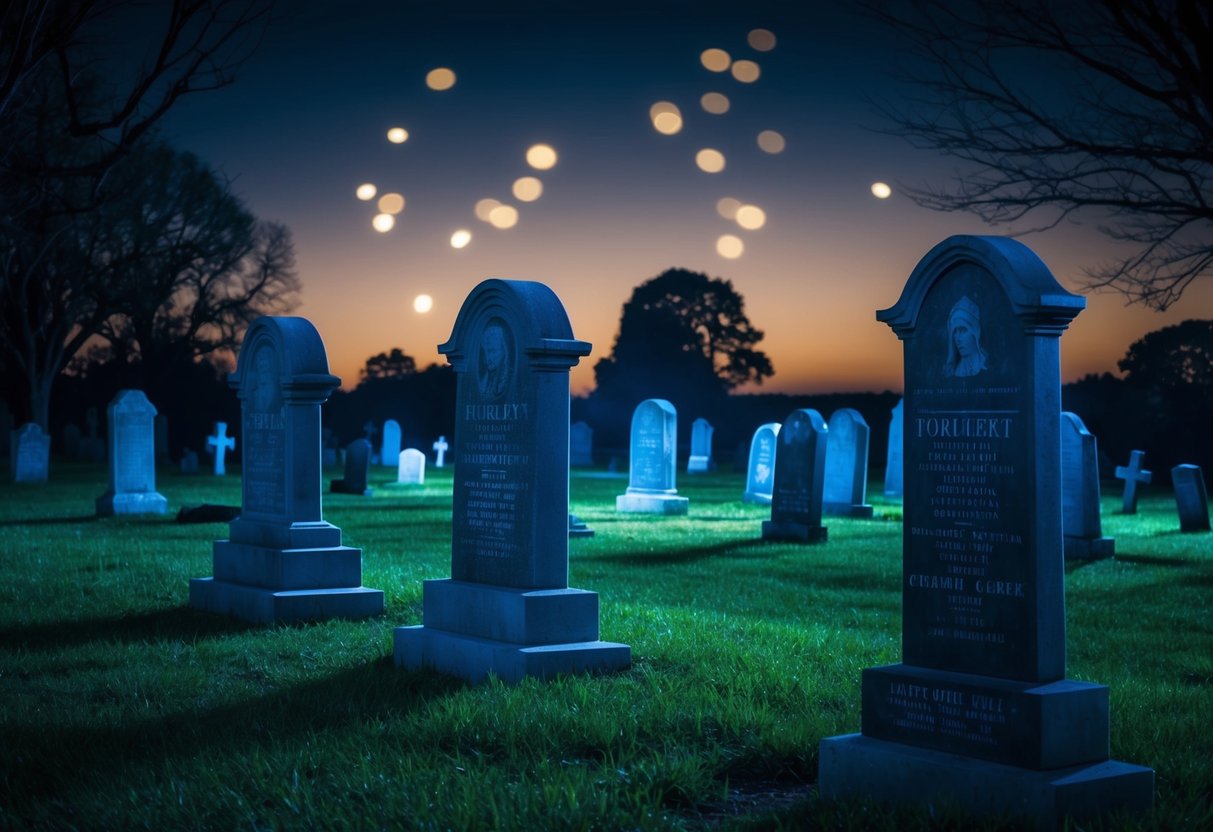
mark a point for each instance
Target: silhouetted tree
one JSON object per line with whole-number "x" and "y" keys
{"x": 1173, "y": 357}
{"x": 1096, "y": 107}
{"x": 387, "y": 365}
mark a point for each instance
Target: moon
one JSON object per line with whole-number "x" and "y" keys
{"x": 423, "y": 304}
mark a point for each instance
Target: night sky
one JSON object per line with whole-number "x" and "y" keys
{"x": 306, "y": 123}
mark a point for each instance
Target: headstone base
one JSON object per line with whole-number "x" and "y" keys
{"x": 109, "y": 505}
{"x": 639, "y": 503}
{"x": 338, "y": 567}
{"x": 339, "y": 487}
{"x": 265, "y": 606}
{"x": 578, "y": 527}
{"x": 1089, "y": 548}
{"x": 853, "y": 765}
{"x": 758, "y": 499}
{"x": 698, "y": 464}
{"x": 861, "y": 511}
{"x": 777, "y": 531}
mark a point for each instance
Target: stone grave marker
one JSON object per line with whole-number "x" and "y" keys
{"x": 893, "y": 464}
{"x": 760, "y": 470}
{"x": 846, "y": 474}
{"x": 440, "y": 448}
{"x": 29, "y": 453}
{"x": 507, "y": 608}
{"x": 282, "y": 561}
{"x": 796, "y": 500}
{"x": 389, "y": 454}
{"x": 1191, "y": 498}
{"x": 653, "y": 467}
{"x": 701, "y": 447}
{"x": 1133, "y": 474}
{"x": 578, "y": 527}
{"x": 980, "y": 713}
{"x": 71, "y": 441}
{"x": 410, "y": 468}
{"x": 581, "y": 445}
{"x": 357, "y": 470}
{"x": 189, "y": 461}
{"x": 218, "y": 445}
{"x": 132, "y": 458}
{"x": 1080, "y": 520}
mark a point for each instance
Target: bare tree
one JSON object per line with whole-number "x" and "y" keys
{"x": 1062, "y": 108}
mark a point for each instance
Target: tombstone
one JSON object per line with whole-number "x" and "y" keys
{"x": 1191, "y": 499}
{"x": 357, "y": 469}
{"x": 893, "y": 464}
{"x": 389, "y": 454}
{"x": 161, "y": 433}
{"x": 440, "y": 448}
{"x": 132, "y": 458}
{"x": 760, "y": 470}
{"x": 578, "y": 527}
{"x": 846, "y": 474}
{"x": 328, "y": 448}
{"x": 1080, "y": 521}
{"x": 218, "y": 446}
{"x": 980, "y": 714}
{"x": 282, "y": 561}
{"x": 581, "y": 445}
{"x": 652, "y": 465}
{"x": 29, "y": 453}
{"x": 410, "y": 467}
{"x": 189, "y": 461}
{"x": 1132, "y": 474}
{"x": 701, "y": 447}
{"x": 71, "y": 441}
{"x": 796, "y": 498}
{"x": 507, "y": 608}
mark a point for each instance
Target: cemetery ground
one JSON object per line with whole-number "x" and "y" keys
{"x": 122, "y": 708}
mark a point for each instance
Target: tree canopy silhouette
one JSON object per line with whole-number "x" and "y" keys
{"x": 1173, "y": 357}
{"x": 388, "y": 365}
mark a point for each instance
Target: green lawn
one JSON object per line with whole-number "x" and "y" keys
{"x": 121, "y": 708}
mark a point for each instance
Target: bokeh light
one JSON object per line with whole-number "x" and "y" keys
{"x": 771, "y": 141}
{"x": 397, "y": 135}
{"x": 761, "y": 40}
{"x": 383, "y": 223}
{"x": 391, "y": 203}
{"x": 751, "y": 217}
{"x": 527, "y": 189}
{"x": 440, "y": 79}
{"x": 666, "y": 118}
{"x": 461, "y": 238}
{"x": 881, "y": 191}
{"x": 503, "y": 216}
{"x": 746, "y": 72}
{"x": 729, "y": 246}
{"x": 715, "y": 103}
{"x": 541, "y": 156}
{"x": 423, "y": 304}
{"x": 484, "y": 207}
{"x": 366, "y": 192}
{"x": 716, "y": 60}
{"x": 727, "y": 207}
{"x": 710, "y": 160}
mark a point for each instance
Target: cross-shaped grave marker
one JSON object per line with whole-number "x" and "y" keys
{"x": 440, "y": 448}
{"x": 218, "y": 445}
{"x": 1132, "y": 474}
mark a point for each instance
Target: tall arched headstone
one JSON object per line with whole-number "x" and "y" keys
{"x": 507, "y": 608}
{"x": 846, "y": 477}
{"x": 389, "y": 453}
{"x": 796, "y": 501}
{"x": 893, "y": 463}
{"x": 132, "y": 458}
{"x": 980, "y": 712}
{"x": 1080, "y": 519}
{"x": 700, "y": 459}
{"x": 283, "y": 562}
{"x": 652, "y": 463}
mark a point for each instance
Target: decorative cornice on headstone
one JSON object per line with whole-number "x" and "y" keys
{"x": 304, "y": 371}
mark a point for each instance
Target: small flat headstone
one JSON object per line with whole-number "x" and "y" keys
{"x": 700, "y": 459}
{"x": 410, "y": 467}
{"x": 389, "y": 454}
{"x": 1191, "y": 498}
{"x": 357, "y": 470}
{"x": 30, "y": 453}
{"x": 760, "y": 470}
{"x": 189, "y": 461}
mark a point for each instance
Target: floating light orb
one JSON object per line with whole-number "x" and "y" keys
{"x": 761, "y": 40}
{"x": 440, "y": 79}
{"x": 484, "y": 207}
{"x": 729, "y": 246}
{"x": 383, "y": 223}
{"x": 715, "y": 103}
{"x": 366, "y": 192}
{"x": 541, "y": 156}
{"x": 771, "y": 141}
{"x": 423, "y": 304}
{"x": 391, "y": 203}
{"x": 666, "y": 118}
{"x": 751, "y": 217}
{"x": 503, "y": 216}
{"x": 727, "y": 207}
{"x": 746, "y": 72}
{"x": 527, "y": 189}
{"x": 715, "y": 60}
{"x": 461, "y": 238}
{"x": 397, "y": 135}
{"x": 881, "y": 191}
{"x": 710, "y": 160}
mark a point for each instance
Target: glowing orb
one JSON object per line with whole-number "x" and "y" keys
{"x": 729, "y": 246}
{"x": 423, "y": 304}
{"x": 366, "y": 192}
{"x": 503, "y": 216}
{"x": 383, "y": 223}
{"x": 527, "y": 189}
{"x": 881, "y": 191}
{"x": 771, "y": 141}
{"x": 761, "y": 40}
{"x": 751, "y": 217}
{"x": 716, "y": 60}
{"x": 714, "y": 103}
{"x": 391, "y": 203}
{"x": 484, "y": 207}
{"x": 397, "y": 135}
{"x": 666, "y": 118}
{"x": 461, "y": 238}
{"x": 440, "y": 79}
{"x": 541, "y": 156}
{"x": 746, "y": 72}
{"x": 710, "y": 160}
{"x": 727, "y": 207}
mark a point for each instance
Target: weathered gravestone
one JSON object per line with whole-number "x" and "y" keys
{"x": 701, "y": 447}
{"x": 1191, "y": 499}
{"x": 1080, "y": 520}
{"x": 357, "y": 470}
{"x": 846, "y": 473}
{"x": 389, "y": 454}
{"x": 581, "y": 445}
{"x": 980, "y": 714}
{"x": 796, "y": 501}
{"x": 71, "y": 441}
{"x": 440, "y": 448}
{"x": 652, "y": 466}
{"x": 30, "y": 453}
{"x": 760, "y": 470}
{"x": 410, "y": 467}
{"x": 507, "y": 608}
{"x": 283, "y": 562}
{"x": 893, "y": 464}
{"x": 218, "y": 445}
{"x": 189, "y": 461}
{"x": 1133, "y": 474}
{"x": 132, "y": 458}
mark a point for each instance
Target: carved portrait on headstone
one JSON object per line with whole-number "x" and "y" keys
{"x": 966, "y": 357}
{"x": 264, "y": 397}
{"x": 494, "y": 360}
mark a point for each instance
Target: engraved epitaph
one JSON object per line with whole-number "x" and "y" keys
{"x": 760, "y": 469}
{"x": 846, "y": 468}
{"x": 132, "y": 460}
{"x": 796, "y": 500}
{"x": 652, "y": 466}
{"x": 1080, "y": 520}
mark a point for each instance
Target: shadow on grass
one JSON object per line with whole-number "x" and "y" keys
{"x": 176, "y": 624}
{"x": 51, "y": 521}
{"x": 682, "y": 555}
{"x": 1151, "y": 560}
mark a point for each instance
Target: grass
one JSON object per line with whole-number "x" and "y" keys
{"x": 122, "y": 708}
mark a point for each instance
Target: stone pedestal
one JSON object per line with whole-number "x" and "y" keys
{"x": 110, "y": 504}
{"x": 641, "y": 501}
{"x": 1089, "y": 548}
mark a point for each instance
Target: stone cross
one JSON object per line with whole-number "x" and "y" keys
{"x": 218, "y": 445}
{"x": 1132, "y": 474}
{"x": 440, "y": 448}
